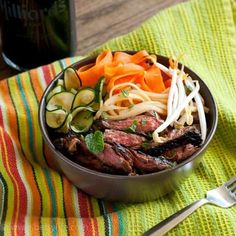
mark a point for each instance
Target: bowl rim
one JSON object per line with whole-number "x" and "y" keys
{"x": 42, "y": 124}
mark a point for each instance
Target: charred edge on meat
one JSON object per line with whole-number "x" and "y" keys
{"x": 190, "y": 137}
{"x": 143, "y": 163}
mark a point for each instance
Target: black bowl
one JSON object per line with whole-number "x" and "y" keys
{"x": 128, "y": 188}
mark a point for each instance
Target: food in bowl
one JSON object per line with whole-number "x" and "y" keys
{"x": 127, "y": 114}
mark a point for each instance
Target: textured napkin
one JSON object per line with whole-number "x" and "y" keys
{"x": 36, "y": 200}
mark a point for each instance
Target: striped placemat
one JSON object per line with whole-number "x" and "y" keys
{"x": 36, "y": 200}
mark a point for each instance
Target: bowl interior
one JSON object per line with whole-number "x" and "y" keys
{"x": 212, "y": 118}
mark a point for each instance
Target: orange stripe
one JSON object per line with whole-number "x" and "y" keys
{"x": 69, "y": 208}
{"x": 37, "y": 86}
{"x": 115, "y": 224}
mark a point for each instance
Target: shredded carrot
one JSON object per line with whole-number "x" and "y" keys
{"x": 122, "y": 57}
{"x": 154, "y": 80}
{"x": 122, "y": 67}
{"x": 90, "y": 76}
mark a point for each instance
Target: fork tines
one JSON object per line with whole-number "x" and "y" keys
{"x": 231, "y": 186}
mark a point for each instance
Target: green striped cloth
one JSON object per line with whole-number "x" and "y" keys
{"x": 36, "y": 200}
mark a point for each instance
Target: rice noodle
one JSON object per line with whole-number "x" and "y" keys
{"x": 137, "y": 110}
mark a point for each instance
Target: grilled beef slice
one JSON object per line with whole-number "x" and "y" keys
{"x": 142, "y": 162}
{"x": 107, "y": 161}
{"x": 175, "y": 138}
{"x": 142, "y": 123}
{"x": 181, "y": 153}
{"x": 149, "y": 164}
{"x": 111, "y": 158}
{"x": 125, "y": 139}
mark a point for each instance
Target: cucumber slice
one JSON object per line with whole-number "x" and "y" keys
{"x": 56, "y": 118}
{"x": 57, "y": 89}
{"x": 99, "y": 92}
{"x": 71, "y": 79}
{"x": 83, "y": 98}
{"x": 82, "y": 119}
{"x": 60, "y": 82}
{"x": 65, "y": 128}
{"x": 61, "y": 100}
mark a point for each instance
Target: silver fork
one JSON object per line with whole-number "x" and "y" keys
{"x": 223, "y": 196}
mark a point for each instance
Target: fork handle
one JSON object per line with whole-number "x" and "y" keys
{"x": 170, "y": 222}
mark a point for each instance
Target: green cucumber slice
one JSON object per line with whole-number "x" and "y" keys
{"x": 65, "y": 128}
{"x": 56, "y": 118}
{"x": 83, "y": 98}
{"x": 71, "y": 79}
{"x": 60, "y": 82}
{"x": 98, "y": 93}
{"x": 61, "y": 100}
{"x": 57, "y": 89}
{"x": 82, "y": 119}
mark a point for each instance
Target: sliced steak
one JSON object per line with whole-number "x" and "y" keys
{"x": 90, "y": 161}
{"x": 140, "y": 123}
{"x": 68, "y": 144}
{"x": 107, "y": 161}
{"x": 149, "y": 164}
{"x": 175, "y": 139}
{"x": 141, "y": 162}
{"x": 180, "y": 154}
{"x": 125, "y": 139}
{"x": 111, "y": 158}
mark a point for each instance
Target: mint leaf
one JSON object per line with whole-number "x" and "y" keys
{"x": 144, "y": 122}
{"x": 133, "y": 127}
{"x": 95, "y": 142}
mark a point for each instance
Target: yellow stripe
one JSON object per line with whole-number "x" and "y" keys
{"x": 33, "y": 106}
{"x": 46, "y": 226}
{"x": 61, "y": 226}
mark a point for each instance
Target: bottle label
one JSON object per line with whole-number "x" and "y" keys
{"x": 30, "y": 11}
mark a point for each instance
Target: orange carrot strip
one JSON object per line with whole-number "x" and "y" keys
{"x": 90, "y": 76}
{"x": 140, "y": 80}
{"x": 139, "y": 56}
{"x": 86, "y": 67}
{"x": 123, "y": 71}
{"x": 122, "y": 57}
{"x": 154, "y": 80}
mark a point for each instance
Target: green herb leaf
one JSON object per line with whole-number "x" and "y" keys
{"x": 145, "y": 145}
{"x": 133, "y": 127}
{"x": 95, "y": 142}
{"x": 143, "y": 122}
{"x": 125, "y": 93}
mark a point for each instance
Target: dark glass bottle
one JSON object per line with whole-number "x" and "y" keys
{"x": 37, "y": 32}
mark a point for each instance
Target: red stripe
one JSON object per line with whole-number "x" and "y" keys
{"x": 84, "y": 212}
{"x": 87, "y": 227}
{"x": 96, "y": 226}
{"x": 1, "y": 118}
{"x": 83, "y": 204}
{"x": 21, "y": 197}
{"x": 47, "y": 74}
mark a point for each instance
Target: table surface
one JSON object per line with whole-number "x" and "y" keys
{"x": 100, "y": 20}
